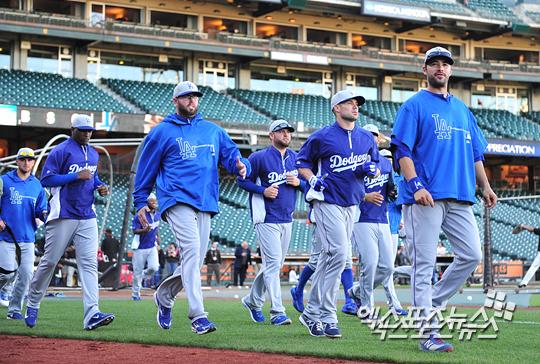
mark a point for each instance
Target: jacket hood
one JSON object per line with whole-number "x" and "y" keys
{"x": 180, "y": 120}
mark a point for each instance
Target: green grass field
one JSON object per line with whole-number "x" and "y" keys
{"x": 135, "y": 322}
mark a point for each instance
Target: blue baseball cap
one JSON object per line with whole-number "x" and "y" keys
{"x": 439, "y": 52}
{"x": 82, "y": 122}
{"x": 186, "y": 88}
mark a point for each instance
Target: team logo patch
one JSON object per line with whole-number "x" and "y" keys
{"x": 14, "y": 196}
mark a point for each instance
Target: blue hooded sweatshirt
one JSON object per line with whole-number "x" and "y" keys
{"x": 22, "y": 202}
{"x": 181, "y": 156}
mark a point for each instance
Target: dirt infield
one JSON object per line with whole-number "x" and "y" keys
{"x": 31, "y": 349}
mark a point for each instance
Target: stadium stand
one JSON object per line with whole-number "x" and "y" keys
{"x": 506, "y": 124}
{"x": 443, "y": 6}
{"x": 493, "y": 9}
{"x": 28, "y": 88}
{"x": 156, "y": 97}
{"x": 534, "y": 15}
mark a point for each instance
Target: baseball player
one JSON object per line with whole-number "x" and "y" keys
{"x": 71, "y": 173}
{"x": 440, "y": 150}
{"x": 347, "y": 278}
{"x": 272, "y": 192}
{"x": 536, "y": 262}
{"x": 23, "y": 201}
{"x": 334, "y": 160}
{"x": 144, "y": 246}
{"x": 373, "y": 241}
{"x": 181, "y": 155}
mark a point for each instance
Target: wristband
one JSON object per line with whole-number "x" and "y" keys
{"x": 415, "y": 184}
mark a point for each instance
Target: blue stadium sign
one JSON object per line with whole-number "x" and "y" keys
{"x": 393, "y": 10}
{"x": 513, "y": 148}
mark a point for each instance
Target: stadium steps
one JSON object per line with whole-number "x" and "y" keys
{"x": 134, "y": 108}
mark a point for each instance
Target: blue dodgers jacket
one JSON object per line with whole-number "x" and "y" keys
{"x": 181, "y": 157}
{"x": 22, "y": 202}
{"x": 369, "y": 212}
{"x": 71, "y": 198}
{"x": 340, "y": 154}
{"x": 269, "y": 167}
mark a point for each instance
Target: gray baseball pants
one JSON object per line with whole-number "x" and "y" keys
{"x": 21, "y": 279}
{"x": 423, "y": 224}
{"x": 316, "y": 248}
{"x": 389, "y": 289}
{"x": 140, "y": 258}
{"x": 373, "y": 242}
{"x": 58, "y": 234}
{"x": 334, "y": 230}
{"x": 274, "y": 242}
{"x": 191, "y": 229}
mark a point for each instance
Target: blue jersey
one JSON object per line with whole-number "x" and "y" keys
{"x": 369, "y": 212}
{"x": 22, "y": 203}
{"x": 340, "y": 153}
{"x": 269, "y": 167}
{"x": 394, "y": 209}
{"x": 445, "y": 142}
{"x": 182, "y": 155}
{"x": 72, "y": 198}
{"x": 147, "y": 240}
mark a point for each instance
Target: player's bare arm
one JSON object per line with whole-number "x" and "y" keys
{"x": 142, "y": 217}
{"x": 2, "y": 225}
{"x": 241, "y": 167}
{"x": 306, "y": 173}
{"x": 422, "y": 196}
{"x": 490, "y": 198}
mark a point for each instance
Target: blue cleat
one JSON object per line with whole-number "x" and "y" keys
{"x": 98, "y": 320}
{"x": 331, "y": 330}
{"x": 434, "y": 344}
{"x": 256, "y": 315}
{"x": 202, "y": 326}
{"x": 280, "y": 320}
{"x": 163, "y": 316}
{"x": 14, "y": 316}
{"x": 354, "y": 297}
{"x": 31, "y": 316}
{"x": 400, "y": 311}
{"x": 136, "y": 298}
{"x": 297, "y": 299}
{"x": 349, "y": 308}
{"x": 315, "y": 327}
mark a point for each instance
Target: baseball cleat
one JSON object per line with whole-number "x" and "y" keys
{"x": 136, "y": 298}
{"x": 354, "y": 297}
{"x": 399, "y": 311}
{"x": 14, "y": 316}
{"x": 331, "y": 330}
{"x": 31, "y": 316}
{"x": 280, "y": 320}
{"x": 163, "y": 315}
{"x": 521, "y": 285}
{"x": 256, "y": 315}
{"x": 98, "y": 320}
{"x": 297, "y": 299}
{"x": 435, "y": 344}
{"x": 349, "y": 308}
{"x": 202, "y": 326}
{"x": 315, "y": 327}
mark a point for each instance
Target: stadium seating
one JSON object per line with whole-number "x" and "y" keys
{"x": 493, "y": 9}
{"x": 54, "y": 91}
{"x": 534, "y": 15}
{"x": 505, "y": 124}
{"x": 443, "y": 6}
{"x": 156, "y": 98}
{"x": 314, "y": 111}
